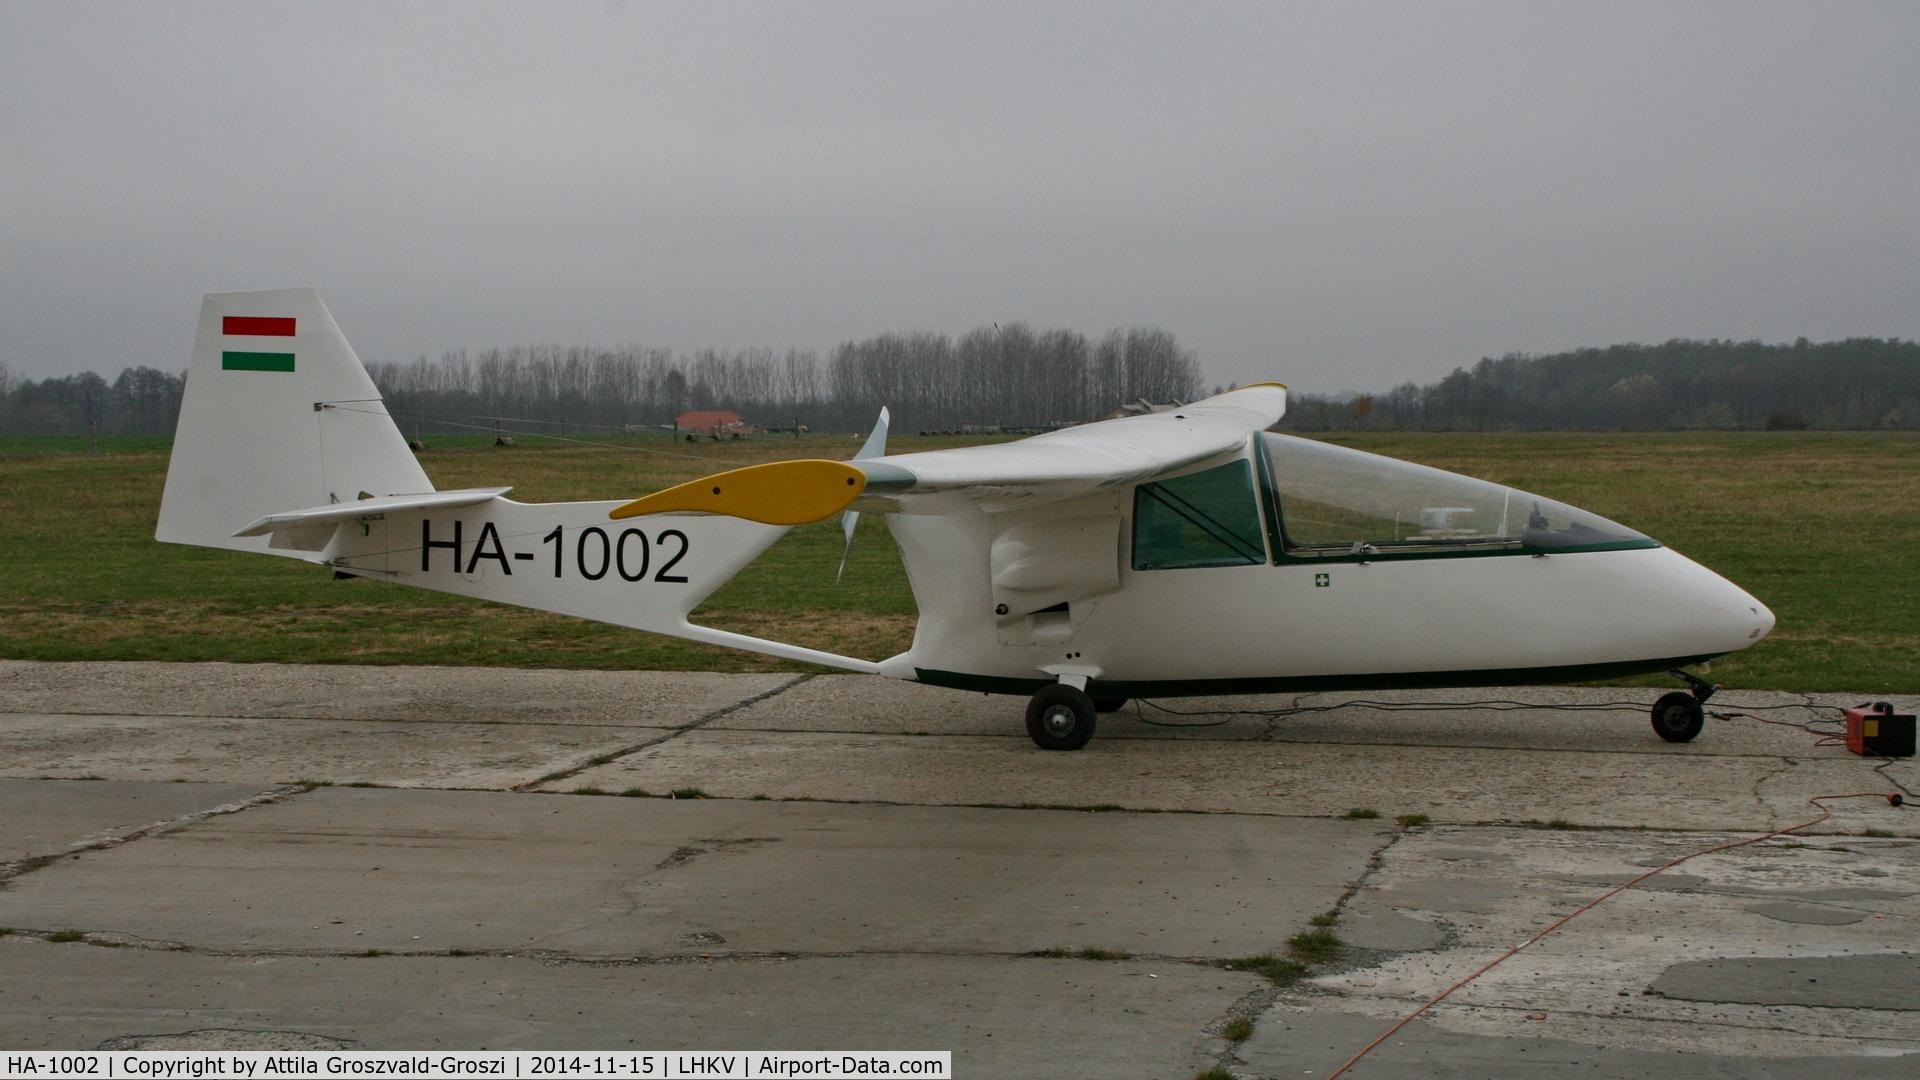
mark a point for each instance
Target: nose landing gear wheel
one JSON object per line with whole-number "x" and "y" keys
{"x": 1060, "y": 718}
{"x": 1677, "y": 717}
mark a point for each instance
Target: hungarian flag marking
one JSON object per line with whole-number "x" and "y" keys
{"x": 256, "y": 326}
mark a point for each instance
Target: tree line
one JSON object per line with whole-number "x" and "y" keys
{"x": 1020, "y": 377}
{"x": 1013, "y": 376}
{"x": 1857, "y": 384}
{"x": 142, "y": 401}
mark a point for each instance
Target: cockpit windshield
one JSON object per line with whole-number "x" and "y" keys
{"x": 1330, "y": 500}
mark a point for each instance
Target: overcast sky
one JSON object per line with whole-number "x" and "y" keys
{"x": 1331, "y": 195}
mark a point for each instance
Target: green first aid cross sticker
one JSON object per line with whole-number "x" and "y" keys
{"x": 1321, "y": 581}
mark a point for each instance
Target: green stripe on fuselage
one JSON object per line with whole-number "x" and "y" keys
{"x": 1310, "y": 684}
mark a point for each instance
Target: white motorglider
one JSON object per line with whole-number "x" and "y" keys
{"x": 1181, "y": 553}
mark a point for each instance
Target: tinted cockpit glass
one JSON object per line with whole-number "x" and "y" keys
{"x": 1331, "y": 500}
{"x": 1201, "y": 519}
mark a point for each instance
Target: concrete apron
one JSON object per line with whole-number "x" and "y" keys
{"x": 893, "y": 908}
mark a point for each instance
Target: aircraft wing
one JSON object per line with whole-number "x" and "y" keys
{"x": 1048, "y": 468}
{"x": 1070, "y": 462}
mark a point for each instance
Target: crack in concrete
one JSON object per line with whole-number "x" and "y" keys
{"x": 1374, "y": 863}
{"x": 680, "y": 856}
{"x": 217, "y": 1038}
{"x": 1095, "y": 808}
{"x": 106, "y": 939}
{"x": 688, "y": 852}
{"x": 1786, "y": 765}
{"x": 1215, "y": 1050}
{"x": 17, "y": 867}
{"x": 670, "y": 734}
{"x": 1223, "y": 1052}
{"x": 346, "y": 719}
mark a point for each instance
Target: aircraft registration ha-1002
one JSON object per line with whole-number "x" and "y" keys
{"x": 1173, "y": 554}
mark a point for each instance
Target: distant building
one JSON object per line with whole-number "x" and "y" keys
{"x": 710, "y": 423}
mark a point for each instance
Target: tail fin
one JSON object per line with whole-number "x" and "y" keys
{"x": 278, "y": 413}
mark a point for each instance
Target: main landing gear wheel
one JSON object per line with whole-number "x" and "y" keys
{"x": 1109, "y": 704}
{"x": 1060, "y": 717}
{"x": 1677, "y": 717}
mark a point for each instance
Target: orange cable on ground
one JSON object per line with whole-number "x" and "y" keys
{"x": 1817, "y": 800}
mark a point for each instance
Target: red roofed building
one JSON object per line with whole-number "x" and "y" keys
{"x": 710, "y": 423}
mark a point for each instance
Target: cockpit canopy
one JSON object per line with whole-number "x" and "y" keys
{"x": 1324, "y": 500}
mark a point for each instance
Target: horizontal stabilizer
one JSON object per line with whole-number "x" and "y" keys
{"x": 335, "y": 513}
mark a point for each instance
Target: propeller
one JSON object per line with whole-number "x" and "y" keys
{"x": 875, "y": 446}
{"x": 778, "y": 493}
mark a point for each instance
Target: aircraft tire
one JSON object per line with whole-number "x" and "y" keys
{"x": 1060, "y": 717}
{"x": 1678, "y": 717}
{"x": 1109, "y": 704}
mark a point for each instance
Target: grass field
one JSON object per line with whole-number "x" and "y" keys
{"x": 1819, "y": 525}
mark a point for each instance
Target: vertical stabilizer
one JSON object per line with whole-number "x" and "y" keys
{"x": 279, "y": 414}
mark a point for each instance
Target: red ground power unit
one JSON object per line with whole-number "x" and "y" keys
{"x": 1878, "y": 731}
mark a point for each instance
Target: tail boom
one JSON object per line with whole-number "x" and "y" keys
{"x": 647, "y": 573}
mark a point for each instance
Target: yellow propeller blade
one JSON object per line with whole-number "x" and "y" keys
{"x": 779, "y": 493}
